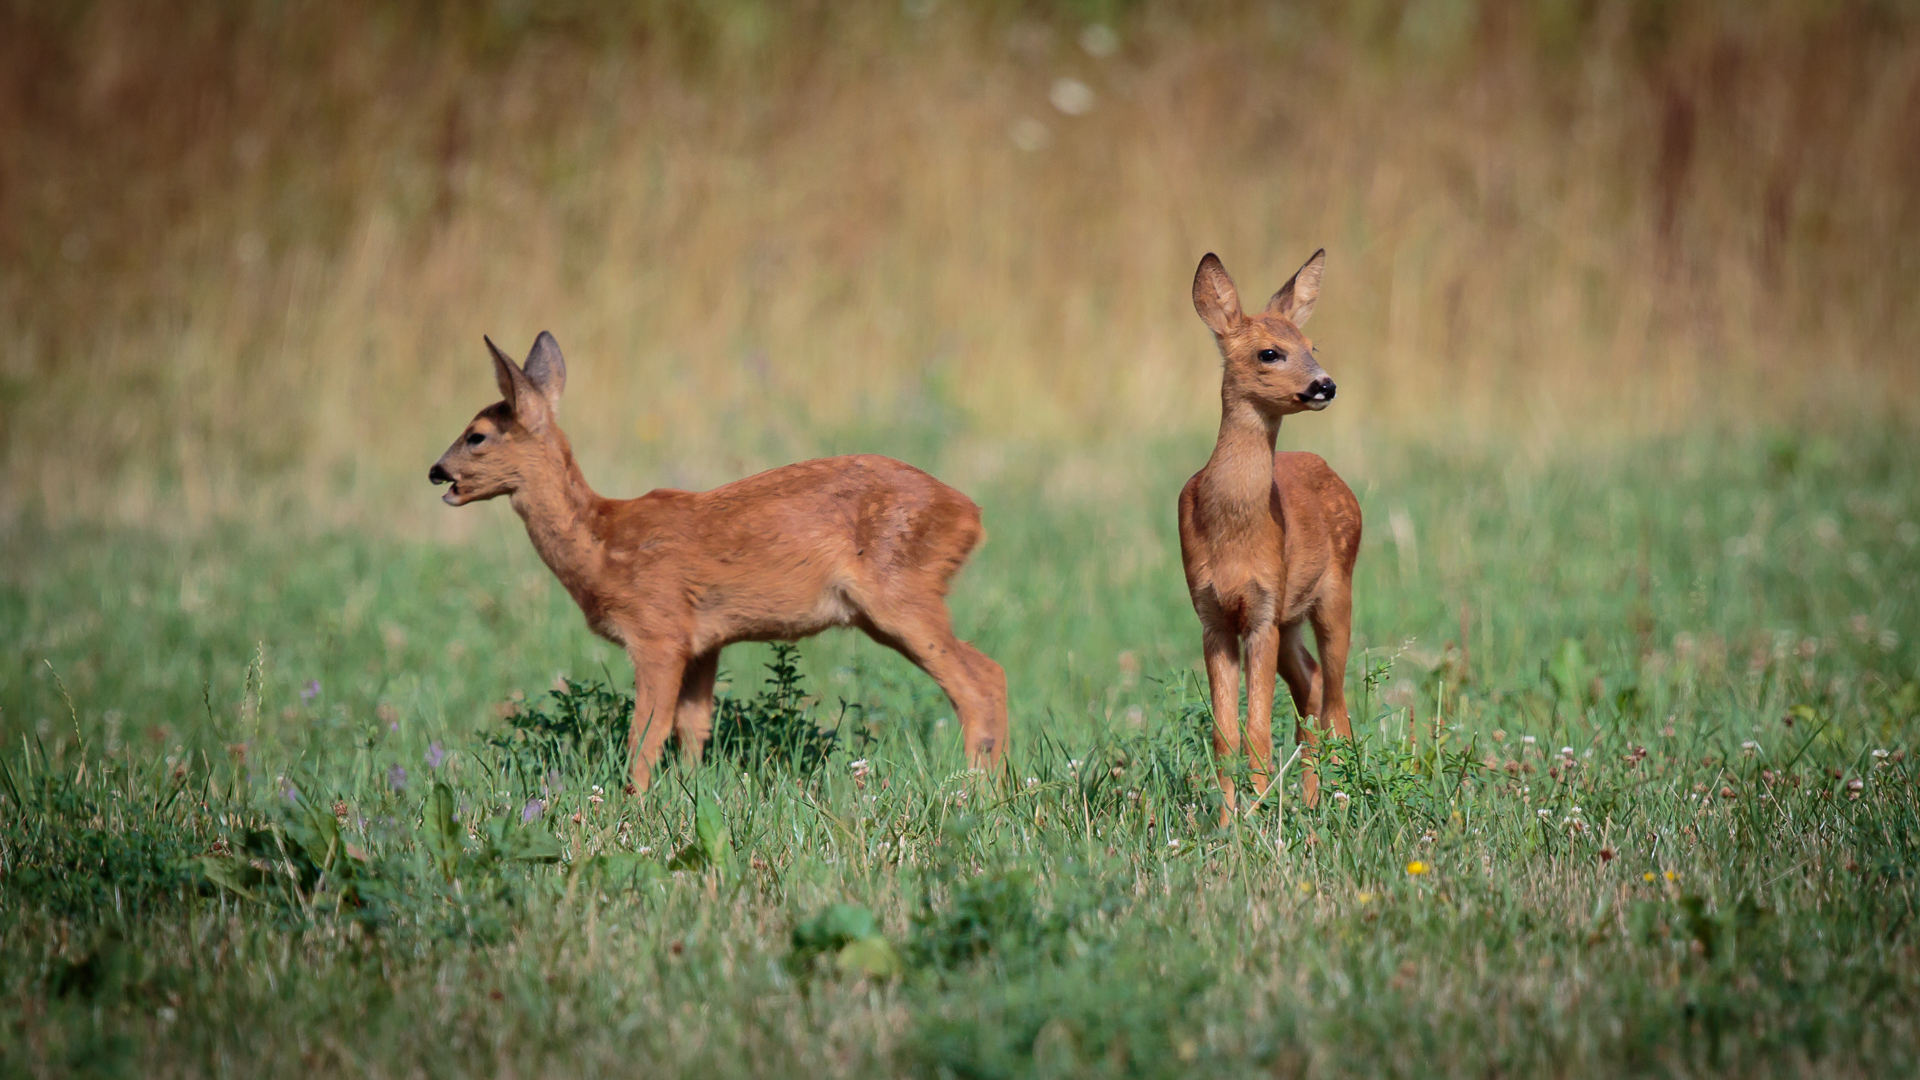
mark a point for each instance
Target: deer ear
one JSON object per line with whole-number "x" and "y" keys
{"x": 547, "y": 369}
{"x": 1295, "y": 299}
{"x": 505, "y": 372}
{"x": 528, "y": 405}
{"x": 1214, "y": 296}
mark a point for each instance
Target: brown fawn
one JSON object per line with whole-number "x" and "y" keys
{"x": 675, "y": 576}
{"x": 1269, "y": 540}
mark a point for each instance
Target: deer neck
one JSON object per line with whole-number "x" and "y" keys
{"x": 561, "y": 514}
{"x": 1236, "y": 487}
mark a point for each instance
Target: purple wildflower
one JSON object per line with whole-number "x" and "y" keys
{"x": 435, "y": 755}
{"x": 397, "y": 776}
{"x": 533, "y": 809}
{"x": 311, "y": 690}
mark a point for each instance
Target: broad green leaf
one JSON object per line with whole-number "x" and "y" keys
{"x": 442, "y": 832}
{"x": 230, "y": 873}
{"x": 873, "y": 957}
{"x": 531, "y": 845}
{"x": 710, "y": 830}
{"x": 620, "y": 868}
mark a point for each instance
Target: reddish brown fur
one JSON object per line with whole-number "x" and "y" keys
{"x": 675, "y": 576}
{"x": 1269, "y": 540}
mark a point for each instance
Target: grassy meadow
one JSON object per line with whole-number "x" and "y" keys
{"x": 301, "y": 770}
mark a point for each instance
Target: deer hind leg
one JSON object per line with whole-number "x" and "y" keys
{"x": 977, "y": 687}
{"x": 693, "y": 714}
{"x": 1302, "y": 674}
{"x": 657, "y": 678}
{"x": 1333, "y": 631}
{"x": 1223, "y": 681}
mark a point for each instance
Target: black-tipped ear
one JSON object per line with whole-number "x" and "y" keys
{"x": 1296, "y": 298}
{"x": 547, "y": 369}
{"x": 1214, "y": 296}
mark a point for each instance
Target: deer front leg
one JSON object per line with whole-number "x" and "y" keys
{"x": 1263, "y": 658}
{"x": 1223, "y": 679}
{"x": 658, "y": 670}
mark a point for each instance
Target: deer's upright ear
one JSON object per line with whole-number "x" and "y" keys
{"x": 528, "y": 404}
{"x": 547, "y": 369}
{"x": 1295, "y": 299}
{"x": 1214, "y": 296}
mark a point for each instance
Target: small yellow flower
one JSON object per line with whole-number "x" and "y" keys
{"x": 1416, "y": 868}
{"x": 1671, "y": 876}
{"x": 1649, "y": 876}
{"x": 1365, "y": 898}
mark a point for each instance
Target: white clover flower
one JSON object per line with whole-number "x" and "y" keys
{"x": 1567, "y": 750}
{"x": 1879, "y": 753}
{"x": 1528, "y": 739}
{"x": 1544, "y": 814}
{"x": 1174, "y": 843}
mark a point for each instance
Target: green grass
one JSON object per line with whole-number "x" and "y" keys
{"x": 185, "y": 716}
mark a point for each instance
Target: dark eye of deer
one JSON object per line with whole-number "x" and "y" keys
{"x": 1270, "y": 356}
{"x": 476, "y": 439}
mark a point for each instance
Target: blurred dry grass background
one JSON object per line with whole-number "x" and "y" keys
{"x": 248, "y": 248}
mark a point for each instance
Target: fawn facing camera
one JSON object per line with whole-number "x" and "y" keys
{"x": 1269, "y": 540}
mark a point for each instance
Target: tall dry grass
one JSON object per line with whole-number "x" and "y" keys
{"x": 247, "y": 249}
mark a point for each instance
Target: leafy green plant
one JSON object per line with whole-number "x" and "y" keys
{"x": 773, "y": 731}
{"x": 65, "y": 854}
{"x": 580, "y": 730}
{"x": 845, "y": 938}
{"x": 712, "y": 843}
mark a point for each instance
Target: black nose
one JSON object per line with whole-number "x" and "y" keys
{"x": 438, "y": 475}
{"x": 1321, "y": 389}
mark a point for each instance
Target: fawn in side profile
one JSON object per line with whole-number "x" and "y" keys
{"x": 675, "y": 576}
{"x": 1269, "y": 540}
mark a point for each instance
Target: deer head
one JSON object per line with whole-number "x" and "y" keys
{"x": 514, "y": 441}
{"x": 1269, "y": 362}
